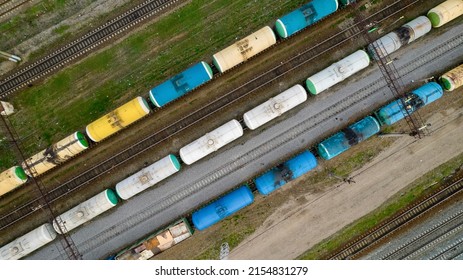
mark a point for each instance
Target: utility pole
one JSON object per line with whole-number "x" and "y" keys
{"x": 65, "y": 239}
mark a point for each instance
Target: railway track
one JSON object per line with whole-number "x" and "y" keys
{"x": 81, "y": 46}
{"x": 354, "y": 249}
{"x": 8, "y": 6}
{"x": 241, "y": 162}
{"x": 426, "y": 239}
{"x": 214, "y": 106}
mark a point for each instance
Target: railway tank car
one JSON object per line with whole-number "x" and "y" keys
{"x": 181, "y": 84}
{"x": 445, "y": 12}
{"x": 211, "y": 142}
{"x": 55, "y": 154}
{"x": 275, "y": 107}
{"x": 453, "y": 79}
{"x": 337, "y": 72}
{"x": 304, "y": 16}
{"x": 12, "y": 178}
{"x": 244, "y": 49}
{"x": 147, "y": 177}
{"x": 86, "y": 211}
{"x": 286, "y": 172}
{"x": 404, "y": 35}
{"x": 395, "y": 111}
{"x": 28, "y": 243}
{"x": 222, "y": 208}
{"x": 348, "y": 137}
{"x": 118, "y": 119}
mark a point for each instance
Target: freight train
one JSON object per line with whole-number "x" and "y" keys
{"x": 237, "y": 53}
{"x": 241, "y": 197}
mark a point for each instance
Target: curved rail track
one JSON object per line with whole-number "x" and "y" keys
{"x": 83, "y": 45}
{"x": 214, "y": 106}
{"x": 354, "y": 249}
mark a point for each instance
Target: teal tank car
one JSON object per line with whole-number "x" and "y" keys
{"x": 181, "y": 84}
{"x": 306, "y": 15}
{"x": 348, "y": 137}
{"x": 222, "y": 208}
{"x": 422, "y": 96}
{"x": 286, "y": 172}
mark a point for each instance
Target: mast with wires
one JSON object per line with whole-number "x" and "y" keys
{"x": 392, "y": 77}
{"x": 65, "y": 239}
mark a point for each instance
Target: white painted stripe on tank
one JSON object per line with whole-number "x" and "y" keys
{"x": 273, "y": 33}
{"x": 206, "y": 68}
{"x": 88, "y": 134}
{"x": 284, "y": 28}
{"x": 78, "y": 141}
{"x": 173, "y": 163}
{"x": 143, "y": 105}
{"x": 326, "y": 151}
{"x": 214, "y": 58}
{"x": 154, "y": 99}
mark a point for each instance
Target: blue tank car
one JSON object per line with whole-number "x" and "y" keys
{"x": 348, "y": 137}
{"x": 181, "y": 84}
{"x": 422, "y": 96}
{"x": 306, "y": 15}
{"x": 222, "y": 208}
{"x": 286, "y": 172}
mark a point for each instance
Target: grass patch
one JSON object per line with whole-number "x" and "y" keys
{"x": 413, "y": 192}
{"x": 80, "y": 94}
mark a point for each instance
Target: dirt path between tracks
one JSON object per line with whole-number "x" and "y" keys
{"x": 295, "y": 227}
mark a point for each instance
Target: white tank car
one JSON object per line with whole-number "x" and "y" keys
{"x": 418, "y": 27}
{"x": 244, "y": 49}
{"x": 445, "y": 12}
{"x": 211, "y": 142}
{"x": 275, "y": 106}
{"x": 147, "y": 177}
{"x": 87, "y": 210}
{"x": 338, "y": 72}
{"x": 12, "y": 178}
{"x": 55, "y": 154}
{"x": 406, "y": 34}
{"x": 26, "y": 244}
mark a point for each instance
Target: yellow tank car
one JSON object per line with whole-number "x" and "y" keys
{"x": 244, "y": 49}
{"x": 55, "y": 154}
{"x": 11, "y": 178}
{"x": 117, "y": 119}
{"x": 445, "y": 12}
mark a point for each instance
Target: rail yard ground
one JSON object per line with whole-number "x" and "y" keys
{"x": 108, "y": 95}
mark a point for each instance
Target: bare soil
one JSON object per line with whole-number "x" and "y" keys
{"x": 293, "y": 228}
